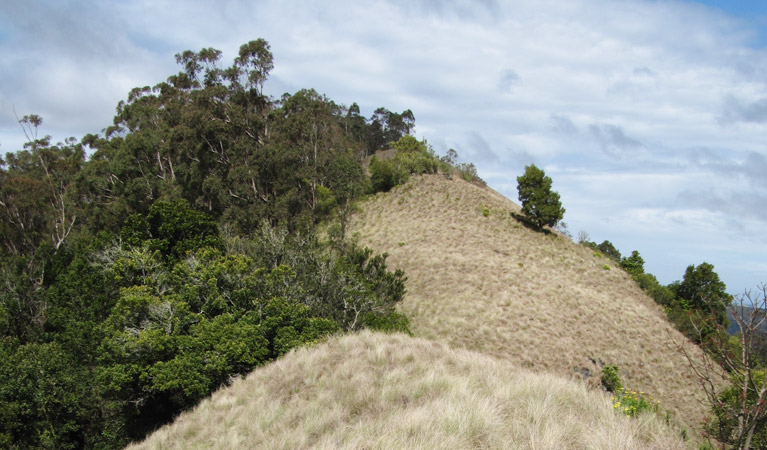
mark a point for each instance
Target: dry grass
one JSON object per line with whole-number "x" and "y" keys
{"x": 540, "y": 301}
{"x": 374, "y": 391}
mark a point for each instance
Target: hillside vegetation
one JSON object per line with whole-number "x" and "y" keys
{"x": 380, "y": 391}
{"x": 210, "y": 230}
{"x": 486, "y": 283}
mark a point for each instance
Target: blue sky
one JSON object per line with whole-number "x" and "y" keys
{"x": 753, "y": 12}
{"x": 650, "y": 116}
{"x": 748, "y": 9}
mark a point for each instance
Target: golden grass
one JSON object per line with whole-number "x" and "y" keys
{"x": 540, "y": 301}
{"x": 375, "y": 391}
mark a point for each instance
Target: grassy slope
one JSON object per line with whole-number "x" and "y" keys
{"x": 392, "y": 392}
{"x": 541, "y": 302}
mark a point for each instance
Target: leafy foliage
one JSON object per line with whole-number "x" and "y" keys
{"x": 540, "y": 204}
{"x": 633, "y": 265}
{"x": 633, "y": 403}
{"x": 703, "y": 290}
{"x": 608, "y": 249}
{"x": 182, "y": 253}
{"x": 411, "y": 157}
{"x": 384, "y": 175}
{"x": 610, "y": 379}
{"x": 172, "y": 229}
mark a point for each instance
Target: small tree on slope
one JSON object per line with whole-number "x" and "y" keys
{"x": 540, "y": 204}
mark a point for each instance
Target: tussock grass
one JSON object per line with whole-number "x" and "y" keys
{"x": 379, "y": 391}
{"x": 486, "y": 283}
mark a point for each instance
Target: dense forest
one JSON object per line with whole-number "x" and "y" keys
{"x": 201, "y": 235}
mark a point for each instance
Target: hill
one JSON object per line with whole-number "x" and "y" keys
{"x": 488, "y": 284}
{"x": 507, "y": 323}
{"x": 391, "y": 391}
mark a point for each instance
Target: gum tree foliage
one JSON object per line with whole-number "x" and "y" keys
{"x": 37, "y": 195}
{"x": 540, "y": 204}
{"x": 208, "y": 135}
{"x": 199, "y": 136}
{"x": 386, "y": 127}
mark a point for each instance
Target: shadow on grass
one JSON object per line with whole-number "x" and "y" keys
{"x": 527, "y": 223}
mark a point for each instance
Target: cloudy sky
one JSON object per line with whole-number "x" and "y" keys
{"x": 650, "y": 116}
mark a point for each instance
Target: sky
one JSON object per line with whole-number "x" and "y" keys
{"x": 650, "y": 116}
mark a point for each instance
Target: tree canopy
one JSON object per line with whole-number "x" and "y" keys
{"x": 540, "y": 204}
{"x": 702, "y": 289}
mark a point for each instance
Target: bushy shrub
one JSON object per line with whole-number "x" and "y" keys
{"x": 412, "y": 157}
{"x": 417, "y": 163}
{"x": 608, "y": 249}
{"x": 384, "y": 175}
{"x": 633, "y": 265}
{"x": 704, "y": 290}
{"x": 389, "y": 323}
{"x": 633, "y": 403}
{"x": 469, "y": 173}
{"x": 661, "y": 294}
{"x": 610, "y": 379}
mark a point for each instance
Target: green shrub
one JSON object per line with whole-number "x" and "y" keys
{"x": 610, "y": 379}
{"x": 389, "y": 323}
{"x": 633, "y": 264}
{"x": 608, "y": 249}
{"x": 469, "y": 173}
{"x": 633, "y": 403}
{"x": 412, "y": 156}
{"x": 384, "y": 175}
{"x": 485, "y": 211}
{"x": 661, "y": 294}
{"x": 417, "y": 163}
{"x": 173, "y": 229}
